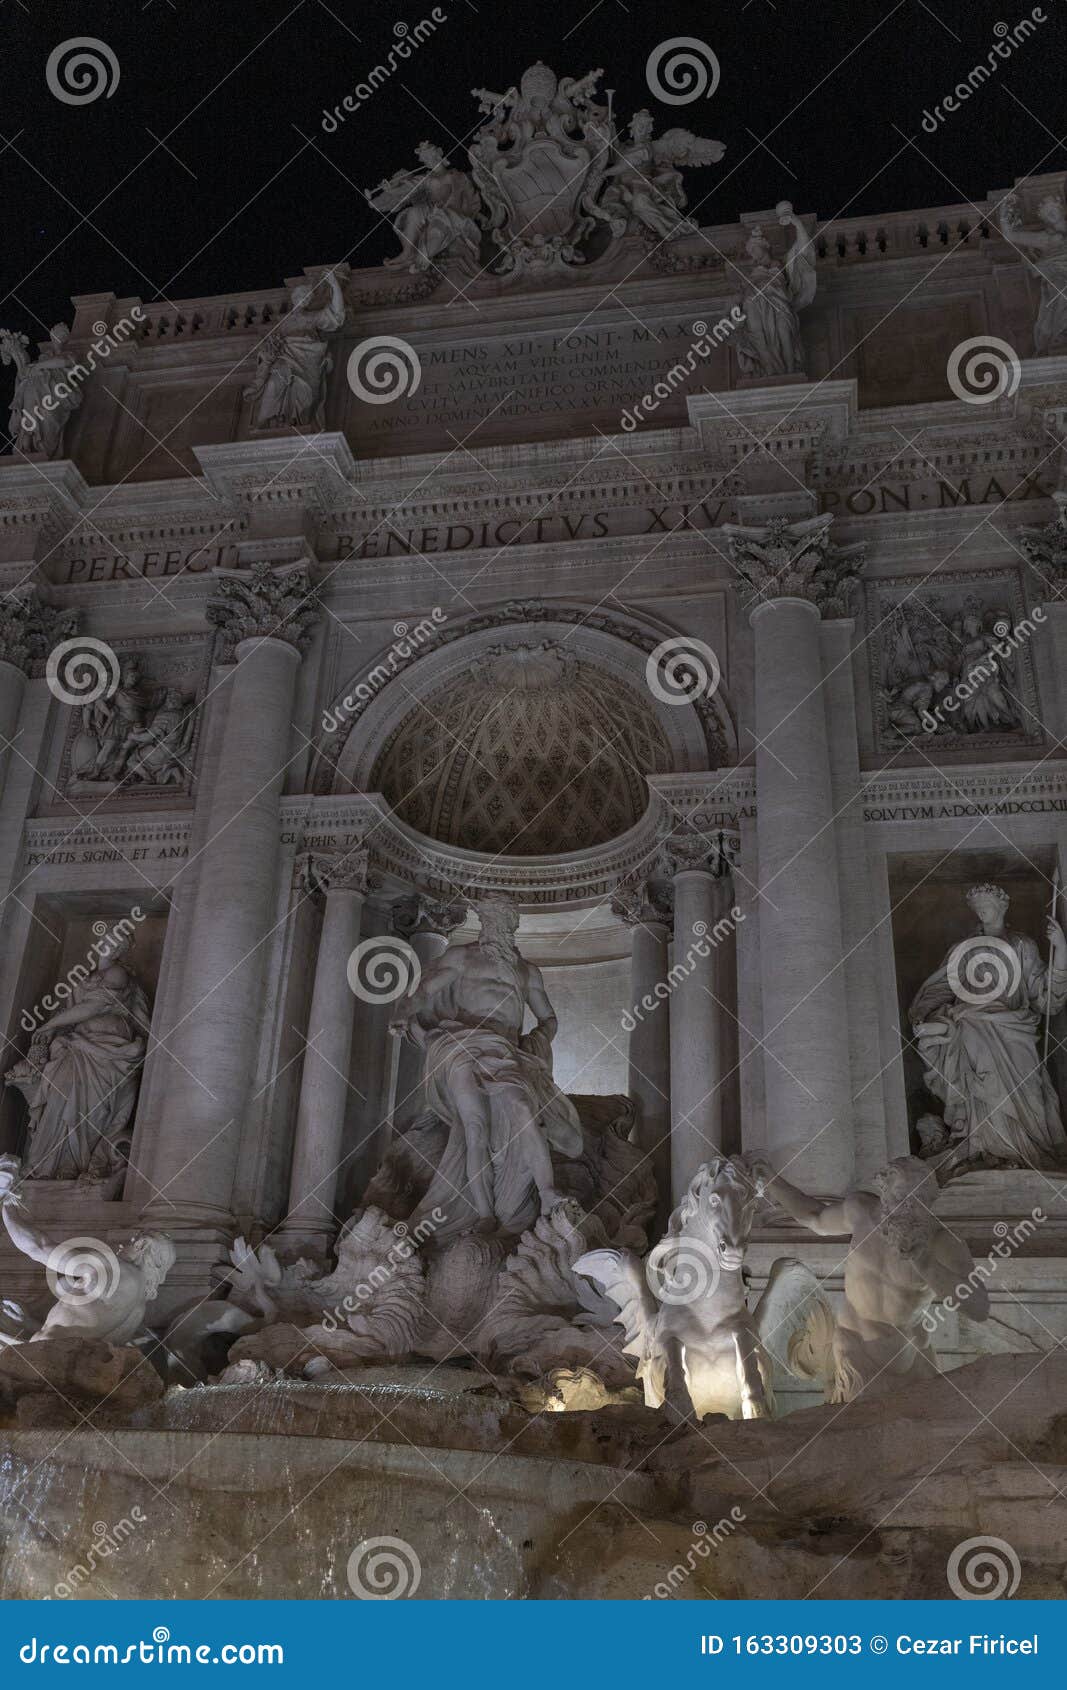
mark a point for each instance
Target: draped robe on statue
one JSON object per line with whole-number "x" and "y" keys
{"x": 986, "y": 1067}
{"x": 482, "y": 1076}
{"x": 82, "y": 1099}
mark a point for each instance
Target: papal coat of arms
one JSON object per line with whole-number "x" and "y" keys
{"x": 552, "y": 182}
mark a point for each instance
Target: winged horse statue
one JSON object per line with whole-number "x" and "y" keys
{"x": 685, "y": 1313}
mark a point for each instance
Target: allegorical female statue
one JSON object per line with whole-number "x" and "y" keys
{"x": 977, "y": 1023}
{"x": 770, "y": 343}
{"x": 82, "y": 1072}
{"x": 1045, "y": 250}
{"x": 43, "y": 399}
{"x": 294, "y": 361}
{"x": 434, "y": 211}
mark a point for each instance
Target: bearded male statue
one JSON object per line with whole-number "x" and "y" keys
{"x": 100, "y": 1294}
{"x": 901, "y": 1260}
{"x": 490, "y": 1082}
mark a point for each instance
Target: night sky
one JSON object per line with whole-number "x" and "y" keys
{"x": 208, "y": 171}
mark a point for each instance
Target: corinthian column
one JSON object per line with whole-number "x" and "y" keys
{"x": 318, "y": 1147}
{"x": 646, "y": 908}
{"x": 1046, "y": 550}
{"x": 794, "y": 575}
{"x": 29, "y": 629}
{"x": 425, "y": 924}
{"x": 265, "y": 617}
{"x": 699, "y": 1003}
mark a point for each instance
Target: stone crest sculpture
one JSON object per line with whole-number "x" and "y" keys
{"x": 44, "y": 399}
{"x": 81, "y": 1076}
{"x": 551, "y": 181}
{"x": 289, "y": 390}
{"x": 901, "y": 1260}
{"x": 539, "y": 164}
{"x": 434, "y": 211}
{"x": 775, "y": 294}
{"x": 1045, "y": 251}
{"x": 976, "y": 1023}
{"x": 491, "y": 1083}
{"x": 685, "y": 1313}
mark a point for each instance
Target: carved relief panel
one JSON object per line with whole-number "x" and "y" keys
{"x": 952, "y": 667}
{"x": 132, "y": 731}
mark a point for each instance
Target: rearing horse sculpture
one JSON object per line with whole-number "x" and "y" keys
{"x": 684, "y": 1311}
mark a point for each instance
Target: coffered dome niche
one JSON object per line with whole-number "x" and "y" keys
{"x": 532, "y": 751}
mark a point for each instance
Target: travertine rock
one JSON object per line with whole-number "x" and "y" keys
{"x": 80, "y": 1373}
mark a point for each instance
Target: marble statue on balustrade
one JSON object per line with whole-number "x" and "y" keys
{"x": 434, "y": 211}
{"x": 901, "y": 1261}
{"x": 289, "y": 390}
{"x": 1045, "y": 251}
{"x": 553, "y": 182}
{"x": 81, "y": 1076}
{"x": 977, "y": 1024}
{"x": 490, "y": 1082}
{"x": 644, "y": 190}
{"x": 45, "y": 398}
{"x": 100, "y": 1294}
{"x": 770, "y": 343}
{"x": 685, "y": 1312}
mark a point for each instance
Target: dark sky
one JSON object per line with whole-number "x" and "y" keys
{"x": 248, "y": 189}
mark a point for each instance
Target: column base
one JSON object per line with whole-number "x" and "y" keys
{"x": 304, "y": 1238}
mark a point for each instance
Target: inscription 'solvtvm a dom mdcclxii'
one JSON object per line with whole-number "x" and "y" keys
{"x": 531, "y": 761}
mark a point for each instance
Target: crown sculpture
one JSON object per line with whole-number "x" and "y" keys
{"x": 552, "y": 183}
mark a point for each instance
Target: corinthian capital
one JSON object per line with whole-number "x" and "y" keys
{"x": 644, "y": 903}
{"x": 316, "y": 873}
{"x": 420, "y": 912}
{"x": 713, "y": 854}
{"x": 29, "y": 628}
{"x": 795, "y": 560}
{"x": 265, "y": 603}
